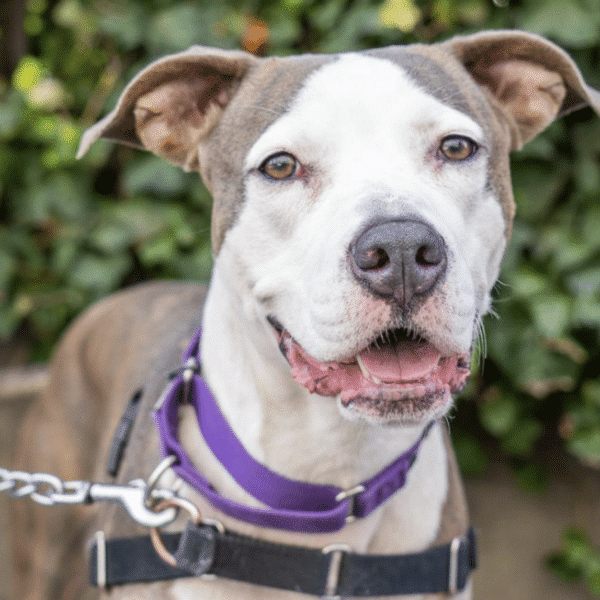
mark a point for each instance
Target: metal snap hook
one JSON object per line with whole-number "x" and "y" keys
{"x": 133, "y": 499}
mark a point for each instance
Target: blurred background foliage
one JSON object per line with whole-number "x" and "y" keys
{"x": 71, "y": 232}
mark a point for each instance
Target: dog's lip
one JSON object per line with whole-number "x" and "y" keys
{"x": 395, "y": 368}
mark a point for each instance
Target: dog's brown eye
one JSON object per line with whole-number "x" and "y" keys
{"x": 280, "y": 166}
{"x": 458, "y": 147}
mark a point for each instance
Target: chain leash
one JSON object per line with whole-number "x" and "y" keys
{"x": 137, "y": 497}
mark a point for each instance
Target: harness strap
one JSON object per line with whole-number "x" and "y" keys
{"x": 204, "y": 550}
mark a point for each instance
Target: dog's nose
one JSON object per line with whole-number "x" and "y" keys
{"x": 399, "y": 259}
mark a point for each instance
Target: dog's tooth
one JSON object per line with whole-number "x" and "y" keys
{"x": 363, "y": 368}
{"x": 365, "y": 371}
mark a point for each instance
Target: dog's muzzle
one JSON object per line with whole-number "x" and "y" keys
{"x": 399, "y": 259}
{"x": 399, "y": 375}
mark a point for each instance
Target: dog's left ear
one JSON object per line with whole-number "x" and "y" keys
{"x": 174, "y": 103}
{"x": 532, "y": 80}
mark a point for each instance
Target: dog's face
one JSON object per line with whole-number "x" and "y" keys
{"x": 363, "y": 213}
{"x": 332, "y": 190}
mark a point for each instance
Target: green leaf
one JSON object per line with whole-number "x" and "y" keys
{"x": 472, "y": 458}
{"x": 548, "y": 18}
{"x": 526, "y": 282}
{"x": 127, "y": 22}
{"x": 112, "y": 237}
{"x": 585, "y": 283}
{"x": 28, "y": 73}
{"x": 559, "y": 564}
{"x": 326, "y": 15}
{"x": 9, "y": 320}
{"x": 11, "y": 113}
{"x": 157, "y": 250}
{"x": 573, "y": 253}
{"x": 536, "y": 186}
{"x": 64, "y": 254}
{"x": 142, "y": 217}
{"x": 532, "y": 477}
{"x": 8, "y": 267}
{"x": 523, "y": 437}
{"x": 591, "y": 393}
{"x": 154, "y": 175}
{"x": 99, "y": 274}
{"x": 401, "y": 14}
{"x": 594, "y": 583}
{"x": 183, "y": 25}
{"x": 586, "y": 446}
{"x": 499, "y": 415}
{"x": 552, "y": 314}
{"x": 587, "y": 174}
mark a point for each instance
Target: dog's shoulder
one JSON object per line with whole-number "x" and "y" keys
{"x": 127, "y": 342}
{"x": 133, "y": 322}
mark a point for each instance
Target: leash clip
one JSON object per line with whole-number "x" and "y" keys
{"x": 132, "y": 498}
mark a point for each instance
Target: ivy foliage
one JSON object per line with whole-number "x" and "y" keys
{"x": 73, "y": 231}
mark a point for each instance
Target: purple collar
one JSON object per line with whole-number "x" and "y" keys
{"x": 292, "y": 505}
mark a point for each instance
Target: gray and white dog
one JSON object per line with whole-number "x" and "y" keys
{"x": 362, "y": 205}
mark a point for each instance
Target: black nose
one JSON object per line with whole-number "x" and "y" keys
{"x": 399, "y": 259}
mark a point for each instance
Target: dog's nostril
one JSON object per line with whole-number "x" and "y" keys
{"x": 374, "y": 258}
{"x": 429, "y": 256}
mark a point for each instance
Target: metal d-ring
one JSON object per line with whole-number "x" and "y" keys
{"x": 155, "y": 536}
{"x": 162, "y": 466}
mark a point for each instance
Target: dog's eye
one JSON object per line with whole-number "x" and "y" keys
{"x": 280, "y": 166}
{"x": 458, "y": 148}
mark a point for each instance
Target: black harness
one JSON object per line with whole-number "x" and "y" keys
{"x": 204, "y": 550}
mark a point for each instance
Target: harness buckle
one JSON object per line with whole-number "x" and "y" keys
{"x": 455, "y": 545}
{"x": 350, "y": 495}
{"x": 335, "y": 566}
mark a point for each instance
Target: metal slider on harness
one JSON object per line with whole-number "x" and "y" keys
{"x": 453, "y": 566}
{"x": 350, "y": 495}
{"x": 335, "y": 567}
{"x": 101, "y": 576}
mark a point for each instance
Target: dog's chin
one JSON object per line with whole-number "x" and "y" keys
{"x": 397, "y": 379}
{"x": 401, "y": 406}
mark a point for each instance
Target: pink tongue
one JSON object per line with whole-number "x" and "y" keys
{"x": 408, "y": 361}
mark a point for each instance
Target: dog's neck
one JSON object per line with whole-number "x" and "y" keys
{"x": 274, "y": 416}
{"x": 304, "y": 436}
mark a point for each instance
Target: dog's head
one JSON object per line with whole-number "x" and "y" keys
{"x": 362, "y": 202}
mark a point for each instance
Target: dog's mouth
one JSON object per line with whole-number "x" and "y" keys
{"x": 398, "y": 377}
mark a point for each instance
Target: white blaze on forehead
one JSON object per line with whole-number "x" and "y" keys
{"x": 354, "y": 100}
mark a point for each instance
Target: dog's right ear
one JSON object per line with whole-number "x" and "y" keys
{"x": 172, "y": 105}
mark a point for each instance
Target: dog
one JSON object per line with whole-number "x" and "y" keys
{"x": 362, "y": 205}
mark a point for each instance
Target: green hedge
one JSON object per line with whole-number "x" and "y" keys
{"x": 71, "y": 232}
